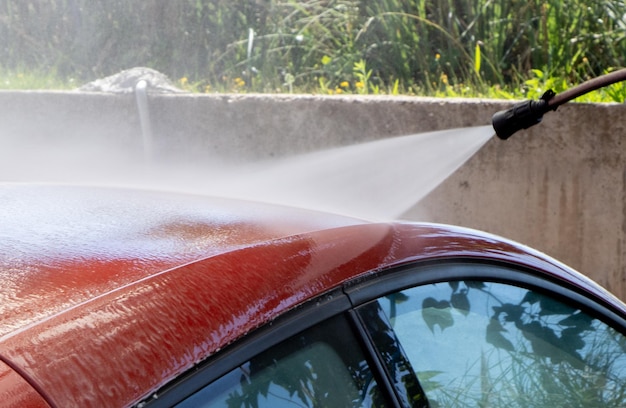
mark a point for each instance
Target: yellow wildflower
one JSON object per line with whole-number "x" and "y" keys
{"x": 183, "y": 81}
{"x": 359, "y": 84}
{"x": 344, "y": 84}
{"x": 338, "y": 90}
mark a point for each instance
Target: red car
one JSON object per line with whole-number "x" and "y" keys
{"x": 116, "y": 297}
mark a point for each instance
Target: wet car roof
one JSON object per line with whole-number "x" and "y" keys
{"x": 63, "y": 245}
{"x": 109, "y": 292}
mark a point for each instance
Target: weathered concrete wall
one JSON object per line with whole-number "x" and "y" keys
{"x": 559, "y": 187}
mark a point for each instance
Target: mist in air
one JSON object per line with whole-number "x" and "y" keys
{"x": 373, "y": 180}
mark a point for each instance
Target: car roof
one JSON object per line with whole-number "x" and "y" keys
{"x": 64, "y": 245}
{"x": 109, "y": 293}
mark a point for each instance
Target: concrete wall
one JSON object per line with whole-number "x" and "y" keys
{"x": 559, "y": 187}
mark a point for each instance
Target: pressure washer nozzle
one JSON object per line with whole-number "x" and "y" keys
{"x": 521, "y": 116}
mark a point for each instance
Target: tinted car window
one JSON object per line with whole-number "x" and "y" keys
{"x": 321, "y": 367}
{"x": 474, "y": 343}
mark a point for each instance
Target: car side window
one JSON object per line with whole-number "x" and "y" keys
{"x": 477, "y": 344}
{"x": 321, "y": 367}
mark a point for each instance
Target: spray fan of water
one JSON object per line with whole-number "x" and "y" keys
{"x": 374, "y": 180}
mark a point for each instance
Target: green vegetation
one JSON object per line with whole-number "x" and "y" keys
{"x": 26, "y": 78}
{"x": 490, "y": 48}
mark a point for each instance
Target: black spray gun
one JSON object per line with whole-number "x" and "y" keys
{"x": 528, "y": 113}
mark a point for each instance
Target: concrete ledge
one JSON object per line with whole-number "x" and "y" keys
{"x": 559, "y": 187}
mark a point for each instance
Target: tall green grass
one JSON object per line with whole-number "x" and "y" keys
{"x": 401, "y": 46}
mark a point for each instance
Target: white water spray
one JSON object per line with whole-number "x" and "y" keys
{"x": 376, "y": 180}
{"x": 141, "y": 97}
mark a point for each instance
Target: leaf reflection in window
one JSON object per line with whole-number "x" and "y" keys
{"x": 498, "y": 344}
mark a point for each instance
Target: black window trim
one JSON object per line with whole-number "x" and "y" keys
{"x": 371, "y": 351}
{"x": 424, "y": 273}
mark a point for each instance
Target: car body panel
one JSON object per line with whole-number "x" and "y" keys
{"x": 15, "y": 391}
{"x": 121, "y": 312}
{"x": 63, "y": 245}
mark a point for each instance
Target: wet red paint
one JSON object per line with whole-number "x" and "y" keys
{"x": 15, "y": 391}
{"x": 109, "y": 327}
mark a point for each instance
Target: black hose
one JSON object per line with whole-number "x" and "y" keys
{"x": 528, "y": 113}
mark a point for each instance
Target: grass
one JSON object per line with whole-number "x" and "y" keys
{"x": 357, "y": 84}
{"x": 25, "y": 79}
{"x": 468, "y": 48}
